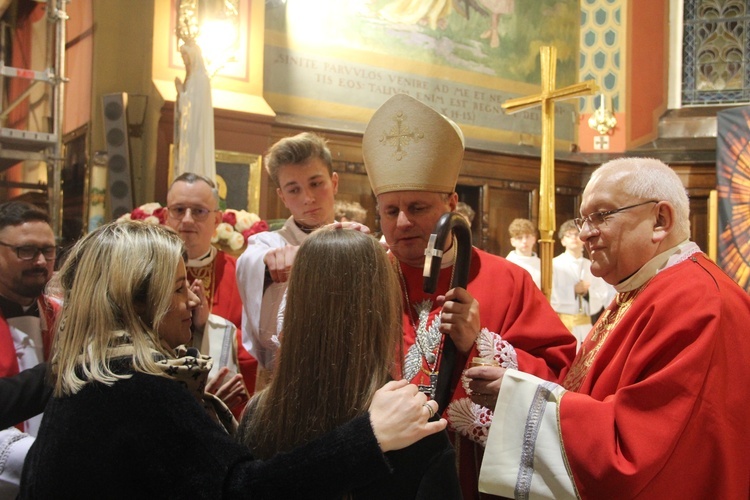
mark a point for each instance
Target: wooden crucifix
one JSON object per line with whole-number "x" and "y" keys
{"x": 547, "y": 99}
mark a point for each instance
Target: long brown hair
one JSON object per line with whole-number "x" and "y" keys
{"x": 340, "y": 343}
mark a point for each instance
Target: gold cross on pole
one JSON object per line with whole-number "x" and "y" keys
{"x": 547, "y": 100}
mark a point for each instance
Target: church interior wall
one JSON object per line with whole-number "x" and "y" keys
{"x": 501, "y": 172}
{"x": 648, "y": 69}
{"x": 79, "y": 64}
{"x": 122, "y": 48}
{"x": 604, "y": 56}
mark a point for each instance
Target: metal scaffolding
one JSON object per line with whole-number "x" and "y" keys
{"x": 20, "y": 145}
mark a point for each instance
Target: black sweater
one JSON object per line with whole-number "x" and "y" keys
{"x": 147, "y": 437}
{"x": 24, "y": 395}
{"x": 424, "y": 470}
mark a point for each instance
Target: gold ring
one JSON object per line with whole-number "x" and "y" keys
{"x": 432, "y": 412}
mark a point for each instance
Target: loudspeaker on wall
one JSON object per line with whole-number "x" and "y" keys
{"x": 119, "y": 177}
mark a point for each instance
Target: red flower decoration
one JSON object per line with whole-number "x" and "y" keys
{"x": 230, "y": 218}
{"x": 161, "y": 214}
{"x": 138, "y": 214}
{"x": 258, "y": 227}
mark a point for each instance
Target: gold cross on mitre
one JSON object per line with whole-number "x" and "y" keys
{"x": 401, "y": 135}
{"x": 547, "y": 100}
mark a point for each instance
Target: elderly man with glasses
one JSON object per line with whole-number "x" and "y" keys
{"x": 27, "y": 317}
{"x": 193, "y": 211}
{"x": 659, "y": 386}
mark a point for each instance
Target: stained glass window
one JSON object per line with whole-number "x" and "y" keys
{"x": 716, "y": 52}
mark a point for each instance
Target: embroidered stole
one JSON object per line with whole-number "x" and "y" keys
{"x": 590, "y": 348}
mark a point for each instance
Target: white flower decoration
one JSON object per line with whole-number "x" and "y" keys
{"x": 236, "y": 240}
{"x": 245, "y": 220}
{"x": 150, "y": 207}
{"x": 224, "y": 231}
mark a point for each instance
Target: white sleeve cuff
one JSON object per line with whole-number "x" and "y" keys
{"x": 14, "y": 445}
{"x": 524, "y": 455}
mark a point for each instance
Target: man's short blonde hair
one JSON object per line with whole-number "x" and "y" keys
{"x": 519, "y": 227}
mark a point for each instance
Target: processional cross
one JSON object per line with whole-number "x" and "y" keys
{"x": 547, "y": 99}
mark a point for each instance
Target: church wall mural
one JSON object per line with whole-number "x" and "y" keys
{"x": 331, "y": 64}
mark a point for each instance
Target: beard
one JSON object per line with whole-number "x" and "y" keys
{"x": 32, "y": 282}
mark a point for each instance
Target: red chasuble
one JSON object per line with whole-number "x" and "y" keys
{"x": 660, "y": 404}
{"x": 226, "y": 302}
{"x": 511, "y": 305}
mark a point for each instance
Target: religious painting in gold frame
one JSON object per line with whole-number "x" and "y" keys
{"x": 237, "y": 179}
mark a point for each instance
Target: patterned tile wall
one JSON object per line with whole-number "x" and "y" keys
{"x": 602, "y": 50}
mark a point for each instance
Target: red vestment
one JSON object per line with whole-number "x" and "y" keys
{"x": 226, "y": 302}
{"x": 660, "y": 403}
{"x": 511, "y": 305}
{"x": 48, "y": 310}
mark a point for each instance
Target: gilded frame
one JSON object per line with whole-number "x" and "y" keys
{"x": 245, "y": 169}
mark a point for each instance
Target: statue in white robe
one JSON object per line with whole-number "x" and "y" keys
{"x": 194, "y": 117}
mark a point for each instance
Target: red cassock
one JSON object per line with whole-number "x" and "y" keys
{"x": 511, "y": 305}
{"x": 226, "y": 302}
{"x": 660, "y": 411}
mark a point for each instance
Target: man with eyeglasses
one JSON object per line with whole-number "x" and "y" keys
{"x": 193, "y": 212}
{"x": 27, "y": 317}
{"x": 655, "y": 403}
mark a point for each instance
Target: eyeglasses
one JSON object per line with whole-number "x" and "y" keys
{"x": 31, "y": 252}
{"x": 197, "y": 213}
{"x": 597, "y": 218}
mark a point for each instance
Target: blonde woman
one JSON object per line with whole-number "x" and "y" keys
{"x": 124, "y": 421}
{"x": 341, "y": 338}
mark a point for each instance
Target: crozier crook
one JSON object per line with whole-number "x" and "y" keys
{"x": 449, "y": 224}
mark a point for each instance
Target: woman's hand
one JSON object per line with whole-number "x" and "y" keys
{"x": 399, "y": 415}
